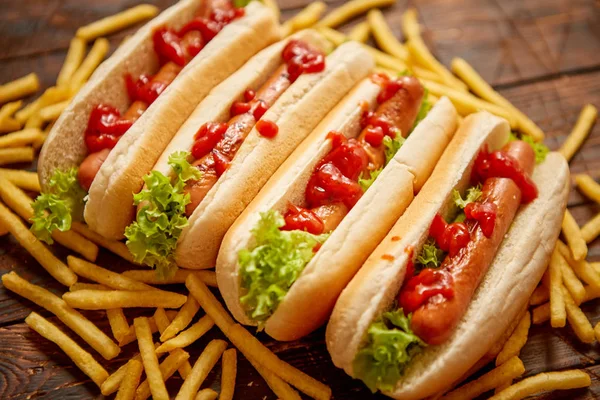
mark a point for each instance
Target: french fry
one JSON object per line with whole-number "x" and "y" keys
{"x": 517, "y": 340}
{"x": 207, "y": 394}
{"x": 573, "y": 236}
{"x": 167, "y": 368}
{"x": 540, "y": 295}
{"x": 360, "y": 32}
{"x": 89, "y": 332}
{"x": 503, "y": 386}
{"x": 150, "y": 277}
{"x": 131, "y": 380}
{"x": 19, "y": 88}
{"x": 154, "y": 375}
{"x": 205, "y": 363}
{"x": 546, "y": 381}
{"x": 53, "y": 265}
{"x": 90, "y": 63}
{"x": 15, "y": 155}
{"x": 558, "y": 314}
{"x": 228, "y": 373}
{"x": 52, "y": 95}
{"x": 117, "y": 22}
{"x": 209, "y": 303}
{"x": 351, "y": 9}
{"x": 272, "y": 4}
{"x": 162, "y": 322}
{"x": 34, "y": 122}
{"x": 591, "y": 229}
{"x": 540, "y": 314}
{"x": 596, "y": 266}
{"x": 105, "y": 277}
{"x": 384, "y": 36}
{"x": 581, "y": 268}
{"x": 25, "y": 180}
{"x": 84, "y": 360}
{"x": 87, "y": 286}
{"x": 114, "y": 246}
{"x": 106, "y": 299}
{"x": 304, "y": 19}
{"x": 588, "y": 186}
{"x": 182, "y": 320}
{"x": 130, "y": 335}
{"x": 52, "y": 112}
{"x": 112, "y": 383}
{"x": 580, "y": 131}
{"x": 577, "y": 319}
{"x": 72, "y": 61}
{"x": 572, "y": 283}
{"x": 7, "y": 111}
{"x": 511, "y": 369}
{"x": 597, "y": 331}
{"x": 118, "y": 322}
{"x": 9, "y": 125}
{"x": 20, "y": 138}
{"x": 277, "y": 385}
{"x": 480, "y": 87}
{"x": 188, "y": 336}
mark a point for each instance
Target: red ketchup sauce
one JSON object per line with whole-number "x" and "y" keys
{"x": 302, "y": 219}
{"x": 105, "y": 127}
{"x": 302, "y": 58}
{"x": 267, "y": 129}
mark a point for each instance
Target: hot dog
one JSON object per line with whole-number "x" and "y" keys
{"x": 328, "y": 206}
{"x": 233, "y": 142}
{"x": 116, "y": 127}
{"x": 456, "y": 268}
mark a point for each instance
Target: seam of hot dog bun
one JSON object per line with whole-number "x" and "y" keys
{"x": 110, "y": 203}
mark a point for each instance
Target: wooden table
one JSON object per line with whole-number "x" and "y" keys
{"x": 543, "y": 55}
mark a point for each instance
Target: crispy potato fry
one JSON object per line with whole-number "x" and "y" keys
{"x": 53, "y": 265}
{"x": 117, "y": 22}
{"x": 52, "y": 95}
{"x": 581, "y": 268}
{"x": 384, "y": 36}
{"x": 52, "y": 112}
{"x": 360, "y": 32}
{"x": 207, "y": 394}
{"x": 272, "y": 4}
{"x": 114, "y": 246}
{"x": 591, "y": 229}
{"x": 596, "y": 266}
{"x": 112, "y": 383}
{"x": 480, "y": 87}
{"x": 335, "y": 37}
{"x": 350, "y": 10}
{"x": 503, "y": 386}
{"x": 130, "y": 335}
{"x": 511, "y": 369}
{"x": 182, "y": 320}
{"x": 118, "y": 323}
{"x": 188, "y": 336}
{"x": 572, "y": 283}
{"x": 209, "y": 303}
{"x": 7, "y": 122}
{"x": 131, "y": 380}
{"x": 540, "y": 295}
{"x": 105, "y": 299}
{"x": 34, "y": 122}
{"x": 558, "y": 314}
{"x": 580, "y": 131}
{"x": 87, "y": 286}
{"x": 167, "y": 368}
{"x": 154, "y": 375}
{"x": 84, "y": 360}
{"x": 205, "y": 363}
{"x": 540, "y": 314}
{"x": 277, "y": 385}
{"x": 19, "y": 88}
{"x": 574, "y": 238}
{"x": 517, "y": 340}
{"x": 15, "y": 155}
{"x": 546, "y": 381}
{"x": 90, "y": 63}
{"x": 304, "y": 19}
{"x": 105, "y": 277}
{"x": 588, "y": 186}
{"x": 577, "y": 319}
{"x": 162, "y": 322}
{"x": 9, "y": 125}
{"x": 89, "y": 332}
{"x": 150, "y": 277}
{"x": 597, "y": 331}
{"x": 20, "y": 138}
{"x": 228, "y": 373}
{"x": 72, "y": 61}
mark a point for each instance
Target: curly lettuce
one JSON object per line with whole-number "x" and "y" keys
{"x": 153, "y": 237}
{"x": 390, "y": 346}
{"x": 56, "y": 208}
{"x": 269, "y": 269}
{"x": 540, "y": 149}
{"x": 473, "y": 194}
{"x": 423, "y": 110}
{"x": 366, "y": 183}
{"x": 430, "y": 256}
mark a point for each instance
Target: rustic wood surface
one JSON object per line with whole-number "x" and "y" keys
{"x": 543, "y": 55}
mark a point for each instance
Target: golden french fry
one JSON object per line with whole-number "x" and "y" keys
{"x": 511, "y": 369}
{"x": 558, "y": 315}
{"x": 503, "y": 386}
{"x": 588, "y": 186}
{"x": 117, "y": 22}
{"x": 154, "y": 375}
{"x": 162, "y": 322}
{"x": 304, "y": 19}
{"x": 277, "y": 385}
{"x": 207, "y": 394}
{"x": 52, "y": 112}
{"x": 335, "y": 37}
{"x": 540, "y": 295}
{"x": 112, "y": 383}
{"x": 15, "y": 155}
{"x": 384, "y": 36}
{"x": 167, "y": 368}
{"x": 53, "y": 265}
{"x": 72, "y": 61}
{"x": 52, "y": 95}
{"x": 118, "y": 323}
{"x": 581, "y": 268}
{"x": 19, "y": 88}
{"x": 544, "y": 382}
{"x": 188, "y": 336}
{"x": 9, "y": 125}
{"x": 182, "y": 320}
{"x": 131, "y": 380}
{"x": 351, "y": 9}
{"x": 25, "y": 180}
{"x": 7, "y": 111}
{"x": 517, "y": 340}
{"x": 580, "y": 131}
{"x": 574, "y": 238}
{"x": 577, "y": 319}
{"x": 572, "y": 283}
{"x": 84, "y": 360}
{"x": 540, "y": 314}
{"x": 90, "y": 63}
{"x": 481, "y": 88}
{"x": 150, "y": 277}
{"x": 205, "y": 363}
{"x": 87, "y": 286}
{"x": 597, "y": 331}
{"x": 105, "y": 299}
{"x": 360, "y": 32}
{"x": 591, "y": 229}
{"x": 105, "y": 277}
{"x": 228, "y": 373}
{"x": 35, "y": 121}
{"x": 209, "y": 303}
{"x": 89, "y": 332}
{"x": 130, "y": 335}
{"x": 596, "y": 266}
{"x": 114, "y": 246}
{"x": 20, "y": 138}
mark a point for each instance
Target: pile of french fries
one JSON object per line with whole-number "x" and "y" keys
{"x": 569, "y": 281}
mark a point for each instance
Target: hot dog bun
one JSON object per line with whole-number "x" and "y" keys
{"x": 296, "y": 113}
{"x": 510, "y": 280}
{"x": 360, "y": 231}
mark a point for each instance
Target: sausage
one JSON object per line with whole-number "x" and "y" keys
{"x": 90, "y": 167}
{"x": 331, "y": 215}
{"x": 435, "y": 321}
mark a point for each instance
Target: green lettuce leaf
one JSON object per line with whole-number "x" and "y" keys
{"x": 390, "y": 346}
{"x": 430, "y": 256}
{"x": 473, "y": 194}
{"x": 241, "y": 3}
{"x": 56, "y": 208}
{"x": 366, "y": 183}
{"x": 392, "y": 146}
{"x": 269, "y": 269}
{"x": 152, "y": 237}
{"x": 540, "y": 149}
{"x": 423, "y": 110}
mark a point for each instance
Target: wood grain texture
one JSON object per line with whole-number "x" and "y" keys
{"x": 543, "y": 55}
